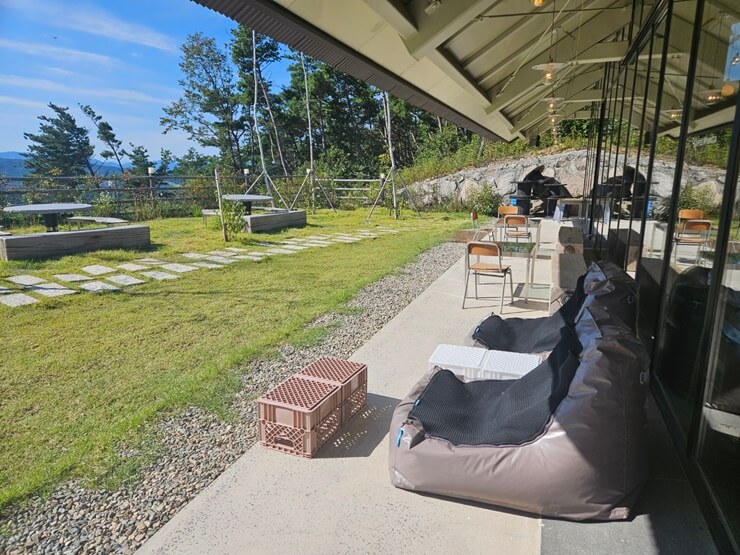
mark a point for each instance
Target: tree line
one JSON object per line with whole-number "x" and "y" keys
{"x": 222, "y": 91}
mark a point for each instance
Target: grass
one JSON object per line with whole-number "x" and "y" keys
{"x": 82, "y": 374}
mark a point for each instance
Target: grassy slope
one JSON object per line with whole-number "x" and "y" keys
{"x": 79, "y": 373}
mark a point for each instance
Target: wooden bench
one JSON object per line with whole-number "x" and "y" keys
{"x": 255, "y": 223}
{"x": 79, "y": 220}
{"x": 46, "y": 245}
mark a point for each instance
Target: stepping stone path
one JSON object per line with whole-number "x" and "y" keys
{"x": 207, "y": 265}
{"x": 71, "y": 278}
{"x": 98, "y": 270}
{"x": 123, "y": 279}
{"x": 159, "y": 276}
{"x": 129, "y": 267}
{"x": 26, "y": 280}
{"x": 221, "y": 259}
{"x": 51, "y": 289}
{"x": 17, "y": 299}
{"x": 98, "y": 286}
{"x": 248, "y": 257}
{"x": 153, "y": 268}
{"x": 179, "y": 268}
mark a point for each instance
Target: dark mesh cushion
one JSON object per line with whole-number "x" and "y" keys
{"x": 498, "y": 412}
{"x": 529, "y": 335}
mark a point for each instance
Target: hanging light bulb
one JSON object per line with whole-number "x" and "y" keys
{"x": 549, "y": 70}
{"x": 538, "y": 3}
{"x": 712, "y": 96}
{"x": 674, "y": 114}
{"x": 553, "y": 103}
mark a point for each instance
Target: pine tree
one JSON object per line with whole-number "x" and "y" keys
{"x": 106, "y": 135}
{"x": 61, "y": 147}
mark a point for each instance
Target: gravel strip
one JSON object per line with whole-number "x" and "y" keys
{"x": 196, "y": 446}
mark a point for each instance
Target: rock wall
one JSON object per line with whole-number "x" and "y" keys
{"x": 567, "y": 167}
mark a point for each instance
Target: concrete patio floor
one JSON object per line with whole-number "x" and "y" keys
{"x": 342, "y": 501}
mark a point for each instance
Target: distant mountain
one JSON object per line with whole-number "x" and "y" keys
{"x": 11, "y": 165}
{"x": 12, "y": 155}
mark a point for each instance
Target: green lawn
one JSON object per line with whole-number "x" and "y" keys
{"x": 81, "y": 373}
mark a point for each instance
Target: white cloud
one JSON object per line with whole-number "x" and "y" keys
{"x": 55, "y": 52}
{"x": 88, "y": 18}
{"x": 80, "y": 93}
{"x": 25, "y": 103}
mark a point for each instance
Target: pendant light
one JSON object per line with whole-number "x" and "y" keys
{"x": 550, "y": 68}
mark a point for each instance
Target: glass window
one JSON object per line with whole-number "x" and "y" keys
{"x": 694, "y": 213}
{"x": 719, "y": 446}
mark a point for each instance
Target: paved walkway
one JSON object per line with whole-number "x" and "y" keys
{"x": 342, "y": 501}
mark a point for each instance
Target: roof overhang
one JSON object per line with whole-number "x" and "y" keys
{"x": 468, "y": 61}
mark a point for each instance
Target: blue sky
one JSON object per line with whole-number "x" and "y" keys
{"x": 119, "y": 57}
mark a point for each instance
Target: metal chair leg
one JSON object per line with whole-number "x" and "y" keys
{"x": 511, "y": 286}
{"x": 465, "y": 293}
{"x": 503, "y": 291}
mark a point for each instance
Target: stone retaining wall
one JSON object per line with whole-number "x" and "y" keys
{"x": 567, "y": 167}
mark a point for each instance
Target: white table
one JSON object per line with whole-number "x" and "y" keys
{"x": 50, "y": 212}
{"x": 247, "y": 200}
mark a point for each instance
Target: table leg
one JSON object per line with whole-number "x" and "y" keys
{"x": 51, "y": 221}
{"x": 527, "y": 281}
{"x": 248, "y": 208}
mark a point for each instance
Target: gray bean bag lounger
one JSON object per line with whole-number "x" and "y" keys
{"x": 616, "y": 290}
{"x": 566, "y": 440}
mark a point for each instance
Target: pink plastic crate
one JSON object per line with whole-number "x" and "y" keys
{"x": 300, "y": 415}
{"x": 350, "y": 376}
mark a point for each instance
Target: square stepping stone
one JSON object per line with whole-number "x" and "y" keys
{"x": 221, "y": 253}
{"x": 235, "y": 249}
{"x": 319, "y": 237}
{"x": 98, "y": 286}
{"x": 51, "y": 289}
{"x": 221, "y": 259}
{"x": 281, "y": 251}
{"x": 248, "y": 257}
{"x": 207, "y": 265}
{"x": 294, "y": 247}
{"x": 179, "y": 268}
{"x": 159, "y": 276}
{"x": 98, "y": 270}
{"x": 316, "y": 244}
{"x": 195, "y": 255}
{"x": 25, "y": 280}
{"x": 123, "y": 279}
{"x": 131, "y": 267}
{"x": 71, "y": 278}
{"x": 150, "y": 261}
{"x": 255, "y": 253}
{"x": 17, "y": 299}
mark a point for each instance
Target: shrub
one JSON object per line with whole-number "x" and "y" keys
{"x": 485, "y": 201}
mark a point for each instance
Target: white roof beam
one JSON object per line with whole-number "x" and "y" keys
{"x": 395, "y": 14}
{"x": 439, "y": 25}
{"x": 591, "y": 33}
